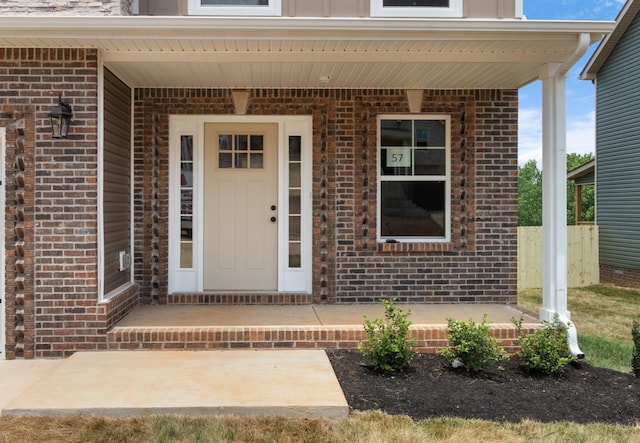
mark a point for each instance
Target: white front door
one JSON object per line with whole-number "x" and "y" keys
{"x": 240, "y": 206}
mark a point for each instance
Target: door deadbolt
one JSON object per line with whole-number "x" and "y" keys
{"x": 273, "y": 207}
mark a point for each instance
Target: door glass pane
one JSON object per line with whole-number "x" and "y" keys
{"x": 295, "y": 201}
{"x": 257, "y": 143}
{"x": 416, "y": 3}
{"x": 257, "y": 161}
{"x": 242, "y": 142}
{"x": 294, "y": 175}
{"x": 224, "y": 143}
{"x": 235, "y": 2}
{"x": 186, "y": 201}
{"x": 226, "y": 161}
{"x": 295, "y": 258}
{"x": 294, "y": 228}
{"x": 242, "y": 161}
{"x": 295, "y": 148}
{"x": 413, "y": 209}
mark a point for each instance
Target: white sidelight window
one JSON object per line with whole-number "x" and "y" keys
{"x": 416, "y": 8}
{"x": 236, "y": 7}
{"x": 414, "y": 178}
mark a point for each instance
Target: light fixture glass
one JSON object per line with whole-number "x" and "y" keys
{"x": 60, "y": 117}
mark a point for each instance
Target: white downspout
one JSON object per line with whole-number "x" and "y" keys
{"x": 554, "y": 193}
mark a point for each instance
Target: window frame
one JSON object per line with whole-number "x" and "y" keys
{"x": 446, "y": 238}
{"x": 195, "y": 7}
{"x": 453, "y": 11}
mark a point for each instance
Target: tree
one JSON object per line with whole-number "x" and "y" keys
{"x": 530, "y": 193}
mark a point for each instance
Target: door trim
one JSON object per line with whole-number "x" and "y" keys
{"x": 192, "y": 279}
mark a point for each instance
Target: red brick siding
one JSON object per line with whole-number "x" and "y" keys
{"x": 61, "y": 313}
{"x": 478, "y": 265}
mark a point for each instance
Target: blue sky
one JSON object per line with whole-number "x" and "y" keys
{"x": 580, "y": 93}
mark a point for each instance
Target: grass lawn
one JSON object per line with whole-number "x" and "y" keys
{"x": 370, "y": 427}
{"x": 603, "y": 316}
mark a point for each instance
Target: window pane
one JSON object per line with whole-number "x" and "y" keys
{"x": 396, "y": 133}
{"x": 430, "y": 133}
{"x": 413, "y": 209}
{"x": 417, "y": 3}
{"x": 430, "y": 162}
{"x": 236, "y": 2}
{"x": 396, "y": 161}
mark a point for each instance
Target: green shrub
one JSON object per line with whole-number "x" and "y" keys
{"x": 471, "y": 345}
{"x": 545, "y": 350}
{"x": 635, "y": 358}
{"x": 388, "y": 345}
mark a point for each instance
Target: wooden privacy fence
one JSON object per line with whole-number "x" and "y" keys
{"x": 582, "y": 256}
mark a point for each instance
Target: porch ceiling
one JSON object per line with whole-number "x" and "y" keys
{"x": 311, "y": 53}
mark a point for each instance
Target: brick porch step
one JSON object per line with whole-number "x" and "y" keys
{"x": 193, "y": 327}
{"x": 430, "y": 338}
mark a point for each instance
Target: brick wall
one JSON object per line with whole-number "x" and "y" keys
{"x": 623, "y": 277}
{"x": 478, "y": 265}
{"x": 65, "y": 7}
{"x": 52, "y": 199}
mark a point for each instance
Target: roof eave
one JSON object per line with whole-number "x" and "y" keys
{"x": 606, "y": 46}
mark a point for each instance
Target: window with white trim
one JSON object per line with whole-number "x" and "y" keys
{"x": 236, "y": 7}
{"x": 414, "y": 178}
{"x": 416, "y": 8}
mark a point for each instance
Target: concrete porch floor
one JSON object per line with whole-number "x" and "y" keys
{"x": 154, "y": 316}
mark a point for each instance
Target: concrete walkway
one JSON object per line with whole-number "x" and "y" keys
{"x": 298, "y": 383}
{"x": 294, "y": 383}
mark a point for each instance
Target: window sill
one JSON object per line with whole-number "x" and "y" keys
{"x": 416, "y": 247}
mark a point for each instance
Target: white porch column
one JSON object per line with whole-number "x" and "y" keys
{"x": 554, "y": 199}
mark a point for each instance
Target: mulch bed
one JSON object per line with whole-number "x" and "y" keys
{"x": 432, "y": 388}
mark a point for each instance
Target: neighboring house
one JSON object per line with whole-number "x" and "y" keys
{"x": 273, "y": 151}
{"x": 584, "y": 175}
{"x": 615, "y": 70}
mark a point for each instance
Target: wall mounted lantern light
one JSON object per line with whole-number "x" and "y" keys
{"x": 60, "y": 117}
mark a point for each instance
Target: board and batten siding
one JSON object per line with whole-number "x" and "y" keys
{"x": 618, "y": 153}
{"x": 117, "y": 180}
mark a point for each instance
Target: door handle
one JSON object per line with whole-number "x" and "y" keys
{"x": 273, "y": 219}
